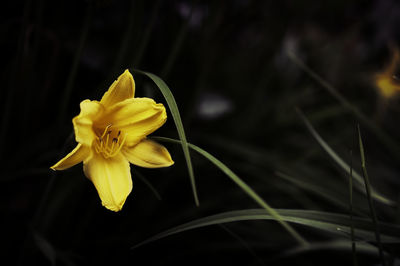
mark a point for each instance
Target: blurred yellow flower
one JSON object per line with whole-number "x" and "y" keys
{"x": 111, "y": 134}
{"x": 386, "y": 81}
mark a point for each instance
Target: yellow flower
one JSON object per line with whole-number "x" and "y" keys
{"x": 386, "y": 82}
{"x": 111, "y": 134}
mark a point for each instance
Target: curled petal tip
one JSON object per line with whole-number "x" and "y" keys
{"x": 148, "y": 154}
{"x": 113, "y": 207}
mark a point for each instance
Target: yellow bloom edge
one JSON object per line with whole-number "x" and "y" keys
{"x": 111, "y": 134}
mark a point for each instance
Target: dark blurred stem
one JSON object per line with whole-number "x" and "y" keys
{"x": 34, "y": 225}
{"x": 36, "y": 218}
{"x": 243, "y": 243}
{"x": 43, "y": 200}
{"x": 125, "y": 41}
{"x": 64, "y": 100}
{"x": 30, "y": 73}
{"x": 140, "y": 52}
{"x": 177, "y": 44}
{"x": 257, "y": 97}
{"x": 39, "y": 23}
{"x": 368, "y": 190}
{"x": 353, "y": 242}
{"x": 390, "y": 144}
{"x": 148, "y": 184}
{"x": 16, "y": 69}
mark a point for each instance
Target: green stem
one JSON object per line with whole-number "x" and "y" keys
{"x": 368, "y": 190}
{"x": 353, "y": 242}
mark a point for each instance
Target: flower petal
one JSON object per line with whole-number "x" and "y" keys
{"x": 387, "y": 86}
{"x": 77, "y": 155}
{"x": 136, "y": 118}
{"x": 121, "y": 89}
{"x": 112, "y": 179}
{"x": 83, "y": 123}
{"x": 149, "y": 154}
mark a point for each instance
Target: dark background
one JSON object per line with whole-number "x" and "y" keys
{"x": 226, "y": 64}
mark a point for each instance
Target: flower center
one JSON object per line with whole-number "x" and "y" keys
{"x": 110, "y": 142}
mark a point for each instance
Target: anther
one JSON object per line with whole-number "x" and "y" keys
{"x": 109, "y": 144}
{"x": 119, "y": 146}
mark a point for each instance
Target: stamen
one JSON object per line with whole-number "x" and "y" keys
{"x": 106, "y": 131}
{"x": 108, "y": 137}
{"x": 112, "y": 146}
{"x": 120, "y": 146}
{"x": 96, "y": 147}
{"x": 109, "y": 146}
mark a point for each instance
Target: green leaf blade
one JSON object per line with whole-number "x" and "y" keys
{"x": 173, "y": 107}
{"x": 357, "y": 177}
{"x": 247, "y": 189}
{"x": 337, "y": 224}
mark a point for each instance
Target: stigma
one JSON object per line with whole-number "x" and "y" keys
{"x": 110, "y": 142}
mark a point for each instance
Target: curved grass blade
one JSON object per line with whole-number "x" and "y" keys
{"x": 337, "y": 224}
{"x": 390, "y": 144}
{"x": 320, "y": 191}
{"x": 352, "y": 237}
{"x": 248, "y": 190}
{"x": 370, "y": 202}
{"x": 169, "y": 97}
{"x": 243, "y": 243}
{"x": 45, "y": 247}
{"x": 148, "y": 184}
{"x": 359, "y": 180}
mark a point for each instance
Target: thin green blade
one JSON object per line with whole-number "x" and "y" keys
{"x": 359, "y": 180}
{"x": 173, "y": 107}
{"x": 391, "y": 144}
{"x": 370, "y": 202}
{"x": 337, "y": 224}
{"x": 248, "y": 190}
